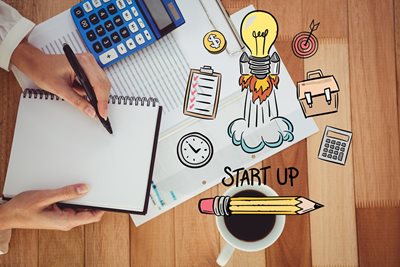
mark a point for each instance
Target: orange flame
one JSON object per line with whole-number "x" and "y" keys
{"x": 260, "y": 88}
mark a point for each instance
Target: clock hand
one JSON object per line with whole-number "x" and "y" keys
{"x": 197, "y": 150}
{"x": 194, "y": 150}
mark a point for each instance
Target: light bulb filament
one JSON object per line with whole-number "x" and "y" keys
{"x": 262, "y": 35}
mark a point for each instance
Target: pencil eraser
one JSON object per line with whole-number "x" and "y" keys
{"x": 206, "y": 205}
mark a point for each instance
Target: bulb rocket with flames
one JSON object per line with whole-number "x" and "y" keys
{"x": 261, "y": 124}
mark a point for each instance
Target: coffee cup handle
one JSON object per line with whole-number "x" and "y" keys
{"x": 225, "y": 255}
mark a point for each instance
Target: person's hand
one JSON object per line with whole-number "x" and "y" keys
{"x": 54, "y": 74}
{"x": 38, "y": 210}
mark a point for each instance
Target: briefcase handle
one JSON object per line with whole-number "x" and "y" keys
{"x": 313, "y": 72}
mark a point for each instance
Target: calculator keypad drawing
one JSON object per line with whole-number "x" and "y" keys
{"x": 335, "y": 145}
{"x": 114, "y": 29}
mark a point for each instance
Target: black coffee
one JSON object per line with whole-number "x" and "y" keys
{"x": 250, "y": 227}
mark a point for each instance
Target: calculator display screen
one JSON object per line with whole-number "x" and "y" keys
{"x": 158, "y": 13}
{"x": 337, "y": 136}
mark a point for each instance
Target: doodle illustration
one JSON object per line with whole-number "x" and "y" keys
{"x": 335, "y": 145}
{"x": 259, "y": 77}
{"x": 194, "y": 150}
{"x": 226, "y": 205}
{"x": 305, "y": 44}
{"x": 202, "y": 93}
{"x": 318, "y": 96}
{"x": 214, "y": 42}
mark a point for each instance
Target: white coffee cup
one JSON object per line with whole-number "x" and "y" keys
{"x": 235, "y": 243}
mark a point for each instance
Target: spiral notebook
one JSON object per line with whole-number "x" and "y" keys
{"x": 56, "y": 145}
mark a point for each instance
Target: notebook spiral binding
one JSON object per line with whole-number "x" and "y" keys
{"x": 133, "y": 100}
{"x": 114, "y": 99}
{"x": 39, "y": 94}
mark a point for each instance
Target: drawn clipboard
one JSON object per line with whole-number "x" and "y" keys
{"x": 202, "y": 93}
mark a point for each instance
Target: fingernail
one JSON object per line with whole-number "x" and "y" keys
{"x": 90, "y": 112}
{"x": 82, "y": 189}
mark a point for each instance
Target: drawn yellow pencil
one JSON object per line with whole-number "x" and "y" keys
{"x": 225, "y": 205}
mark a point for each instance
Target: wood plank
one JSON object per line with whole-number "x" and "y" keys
{"x": 57, "y": 248}
{"x": 331, "y": 14}
{"x": 333, "y": 228}
{"x": 287, "y": 251}
{"x": 374, "y": 103}
{"x": 23, "y": 249}
{"x": 107, "y": 242}
{"x": 153, "y": 243}
{"x": 233, "y": 6}
{"x": 196, "y": 235}
{"x": 287, "y": 15}
{"x": 379, "y": 240}
{"x": 397, "y": 33}
{"x": 241, "y": 258}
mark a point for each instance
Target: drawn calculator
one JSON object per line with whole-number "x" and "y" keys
{"x": 114, "y": 29}
{"x": 335, "y": 145}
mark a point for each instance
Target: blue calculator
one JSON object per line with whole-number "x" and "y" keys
{"x": 114, "y": 29}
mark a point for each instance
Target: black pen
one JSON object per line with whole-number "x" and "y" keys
{"x": 84, "y": 81}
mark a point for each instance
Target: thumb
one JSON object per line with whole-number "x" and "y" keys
{"x": 65, "y": 193}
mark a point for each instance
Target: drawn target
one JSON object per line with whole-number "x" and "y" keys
{"x": 304, "y": 45}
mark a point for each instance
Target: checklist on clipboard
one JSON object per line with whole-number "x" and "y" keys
{"x": 202, "y": 93}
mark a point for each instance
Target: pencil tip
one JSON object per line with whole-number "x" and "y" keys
{"x": 317, "y": 206}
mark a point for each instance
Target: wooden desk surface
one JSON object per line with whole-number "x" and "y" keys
{"x": 360, "y": 224}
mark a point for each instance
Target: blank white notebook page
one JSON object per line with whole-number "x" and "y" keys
{"x": 55, "y": 145}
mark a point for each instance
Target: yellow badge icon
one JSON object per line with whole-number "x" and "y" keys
{"x": 214, "y": 42}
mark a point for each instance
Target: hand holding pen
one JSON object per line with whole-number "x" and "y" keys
{"x": 86, "y": 85}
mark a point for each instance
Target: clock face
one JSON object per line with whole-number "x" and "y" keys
{"x": 194, "y": 150}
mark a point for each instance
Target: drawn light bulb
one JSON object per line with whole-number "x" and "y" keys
{"x": 259, "y": 30}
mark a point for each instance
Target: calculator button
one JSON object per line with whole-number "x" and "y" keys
{"x": 130, "y": 44}
{"x": 91, "y": 35}
{"x": 100, "y": 30}
{"x": 134, "y": 11}
{"x": 85, "y": 24}
{"x": 103, "y": 14}
{"x": 97, "y": 47}
{"x": 139, "y": 39}
{"x": 325, "y": 150}
{"x": 338, "y": 143}
{"x": 94, "y": 19}
{"x": 124, "y": 32}
{"x": 342, "y": 149}
{"x": 127, "y": 15}
{"x": 343, "y": 144}
{"x": 118, "y": 21}
{"x": 108, "y": 56}
{"x": 121, "y": 4}
{"x": 334, "y": 157}
{"x": 109, "y": 26}
{"x": 129, "y": 2}
{"x": 328, "y": 140}
{"x": 326, "y": 145}
{"x": 106, "y": 42}
{"x": 96, "y": 3}
{"x": 141, "y": 23}
{"x": 111, "y": 9}
{"x": 106, "y": 1}
{"x": 330, "y": 151}
{"x": 115, "y": 37}
{"x": 337, "y": 148}
{"x": 147, "y": 34}
{"x": 133, "y": 27}
{"x": 121, "y": 49}
{"x": 340, "y": 156}
{"x": 87, "y": 7}
{"x": 78, "y": 12}
{"x": 332, "y": 146}
{"x": 335, "y": 152}
{"x": 333, "y": 142}
{"x": 329, "y": 156}
{"x": 324, "y": 154}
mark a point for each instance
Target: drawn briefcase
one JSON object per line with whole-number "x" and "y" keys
{"x": 318, "y": 95}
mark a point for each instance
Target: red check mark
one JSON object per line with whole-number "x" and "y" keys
{"x": 191, "y": 106}
{"x": 195, "y": 78}
{"x": 194, "y": 85}
{"x": 192, "y": 99}
{"x": 193, "y": 92}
